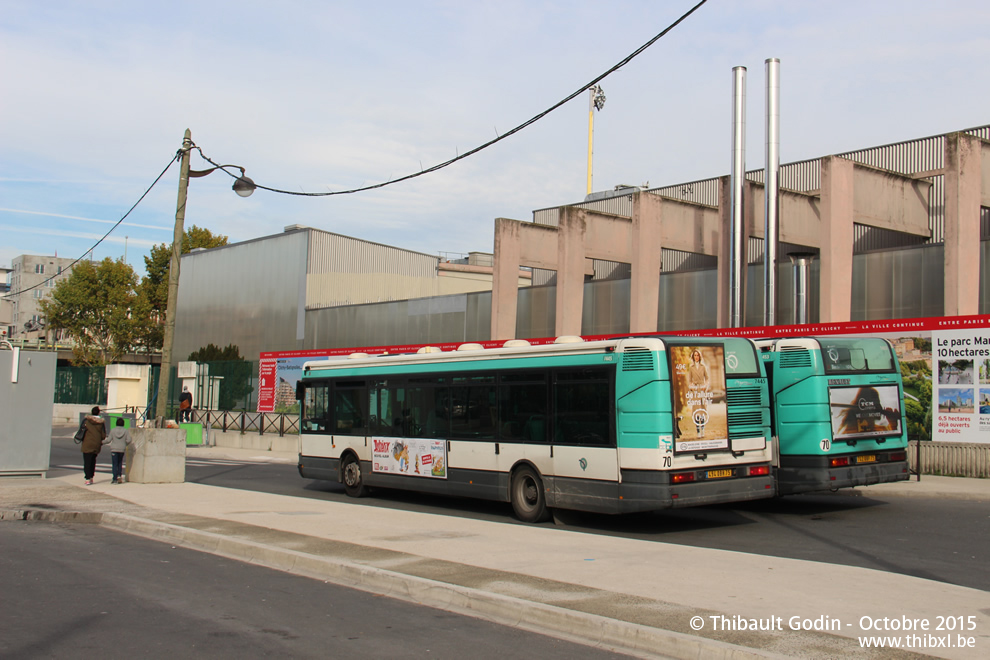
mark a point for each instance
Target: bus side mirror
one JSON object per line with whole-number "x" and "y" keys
{"x": 300, "y": 390}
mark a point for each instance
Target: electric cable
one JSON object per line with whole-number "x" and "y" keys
{"x": 515, "y": 130}
{"x": 110, "y": 231}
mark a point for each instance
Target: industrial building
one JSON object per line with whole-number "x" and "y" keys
{"x": 307, "y": 287}
{"x": 895, "y": 231}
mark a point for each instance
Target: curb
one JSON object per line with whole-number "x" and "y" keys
{"x": 589, "y": 629}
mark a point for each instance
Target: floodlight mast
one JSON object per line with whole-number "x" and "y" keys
{"x": 596, "y": 101}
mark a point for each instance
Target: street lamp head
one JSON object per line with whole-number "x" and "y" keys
{"x": 244, "y": 186}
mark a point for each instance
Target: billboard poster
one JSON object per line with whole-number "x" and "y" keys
{"x": 277, "y": 378}
{"x": 698, "y": 379}
{"x": 414, "y": 457}
{"x": 864, "y": 412}
{"x": 962, "y": 385}
{"x": 267, "y": 370}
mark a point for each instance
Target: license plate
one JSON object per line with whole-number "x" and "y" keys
{"x": 719, "y": 474}
{"x": 869, "y": 458}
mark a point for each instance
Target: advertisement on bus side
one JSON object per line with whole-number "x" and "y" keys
{"x": 698, "y": 379}
{"x": 864, "y": 412}
{"x": 413, "y": 457}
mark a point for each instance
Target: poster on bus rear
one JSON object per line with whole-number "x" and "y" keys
{"x": 698, "y": 379}
{"x": 412, "y": 457}
{"x": 860, "y": 413}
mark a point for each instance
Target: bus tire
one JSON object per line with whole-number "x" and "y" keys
{"x": 529, "y": 501}
{"x": 350, "y": 476}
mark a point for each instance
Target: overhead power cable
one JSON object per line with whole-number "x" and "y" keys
{"x": 110, "y": 231}
{"x": 533, "y": 120}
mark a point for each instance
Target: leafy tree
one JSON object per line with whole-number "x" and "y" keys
{"x": 93, "y": 307}
{"x": 153, "y": 292}
{"x": 235, "y": 371}
{"x": 915, "y": 413}
{"x": 211, "y": 353}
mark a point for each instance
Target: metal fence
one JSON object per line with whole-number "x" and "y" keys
{"x": 249, "y": 422}
{"x": 245, "y": 422}
{"x": 81, "y": 385}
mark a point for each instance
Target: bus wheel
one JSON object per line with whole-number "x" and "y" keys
{"x": 528, "y": 499}
{"x": 350, "y": 471}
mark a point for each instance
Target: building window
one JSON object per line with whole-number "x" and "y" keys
{"x": 39, "y": 269}
{"x": 38, "y": 293}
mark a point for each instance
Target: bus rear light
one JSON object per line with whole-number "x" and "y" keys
{"x": 759, "y": 471}
{"x": 839, "y": 462}
{"x": 682, "y": 477}
{"x": 899, "y": 456}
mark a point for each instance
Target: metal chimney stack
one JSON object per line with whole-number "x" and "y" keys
{"x": 802, "y": 277}
{"x": 737, "y": 253}
{"x": 771, "y": 193}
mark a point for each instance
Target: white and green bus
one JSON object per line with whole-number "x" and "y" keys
{"x": 837, "y": 413}
{"x": 616, "y": 426}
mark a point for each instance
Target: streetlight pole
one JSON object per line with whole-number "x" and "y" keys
{"x": 243, "y": 186}
{"x": 164, "y": 375}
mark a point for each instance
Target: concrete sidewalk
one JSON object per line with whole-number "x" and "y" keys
{"x": 638, "y": 597}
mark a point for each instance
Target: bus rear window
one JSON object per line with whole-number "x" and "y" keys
{"x": 861, "y": 354}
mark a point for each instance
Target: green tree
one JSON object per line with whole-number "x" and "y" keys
{"x": 234, "y": 371}
{"x": 915, "y": 414}
{"x": 211, "y": 353}
{"x": 93, "y": 306}
{"x": 153, "y": 292}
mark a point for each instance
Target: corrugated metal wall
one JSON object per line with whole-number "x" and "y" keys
{"x": 249, "y": 294}
{"x": 347, "y": 271}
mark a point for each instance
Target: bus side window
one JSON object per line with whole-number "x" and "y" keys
{"x": 349, "y": 415}
{"x": 315, "y": 408}
{"x": 582, "y": 404}
{"x": 522, "y": 407}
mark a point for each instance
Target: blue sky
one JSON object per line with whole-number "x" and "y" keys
{"x": 324, "y": 95}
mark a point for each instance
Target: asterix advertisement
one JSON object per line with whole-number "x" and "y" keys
{"x": 413, "y": 457}
{"x": 962, "y": 361}
{"x": 698, "y": 375}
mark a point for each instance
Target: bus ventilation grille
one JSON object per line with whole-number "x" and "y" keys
{"x": 637, "y": 359}
{"x": 795, "y": 357}
{"x": 745, "y": 418}
{"x": 749, "y": 396}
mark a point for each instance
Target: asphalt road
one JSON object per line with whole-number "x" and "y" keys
{"x": 938, "y": 539}
{"x": 74, "y": 591}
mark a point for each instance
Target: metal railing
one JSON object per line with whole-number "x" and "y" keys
{"x": 243, "y": 421}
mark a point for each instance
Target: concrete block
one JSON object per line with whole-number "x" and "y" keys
{"x": 157, "y": 456}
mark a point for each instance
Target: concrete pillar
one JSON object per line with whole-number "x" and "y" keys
{"x": 646, "y": 263}
{"x": 505, "y": 279}
{"x": 570, "y": 270}
{"x": 963, "y": 181}
{"x": 835, "y": 298}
